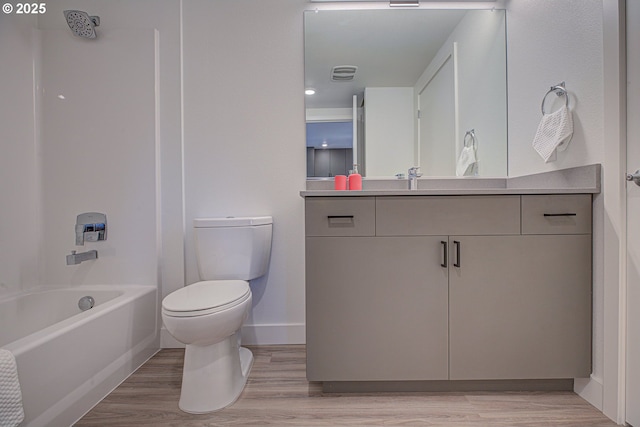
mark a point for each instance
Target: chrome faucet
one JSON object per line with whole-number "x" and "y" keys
{"x": 76, "y": 258}
{"x": 413, "y": 177}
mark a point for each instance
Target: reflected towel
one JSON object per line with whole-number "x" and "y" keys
{"x": 554, "y": 133}
{"x": 467, "y": 161}
{"x": 11, "y": 411}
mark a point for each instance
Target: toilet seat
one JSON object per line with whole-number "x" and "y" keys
{"x": 206, "y": 297}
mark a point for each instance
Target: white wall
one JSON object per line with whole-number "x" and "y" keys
{"x": 329, "y": 114}
{"x": 551, "y": 41}
{"x": 244, "y": 141}
{"x": 19, "y": 175}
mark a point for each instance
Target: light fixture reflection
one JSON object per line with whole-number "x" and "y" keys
{"x": 309, "y": 91}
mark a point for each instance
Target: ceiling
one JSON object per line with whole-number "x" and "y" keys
{"x": 390, "y": 47}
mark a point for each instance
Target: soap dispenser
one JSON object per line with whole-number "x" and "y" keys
{"x": 355, "y": 179}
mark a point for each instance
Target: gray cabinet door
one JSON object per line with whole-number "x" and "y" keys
{"x": 520, "y": 307}
{"x": 376, "y": 308}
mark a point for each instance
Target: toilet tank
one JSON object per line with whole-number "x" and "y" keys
{"x": 233, "y": 247}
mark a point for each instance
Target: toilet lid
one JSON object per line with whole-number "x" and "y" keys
{"x": 204, "y": 296}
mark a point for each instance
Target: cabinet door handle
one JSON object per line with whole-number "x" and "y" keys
{"x": 457, "y": 245}
{"x": 562, "y": 214}
{"x": 445, "y": 254}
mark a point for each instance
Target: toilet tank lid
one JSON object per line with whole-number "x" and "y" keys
{"x": 232, "y": 221}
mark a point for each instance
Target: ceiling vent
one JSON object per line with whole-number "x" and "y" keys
{"x": 343, "y": 73}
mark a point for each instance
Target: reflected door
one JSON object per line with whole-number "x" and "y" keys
{"x": 437, "y": 124}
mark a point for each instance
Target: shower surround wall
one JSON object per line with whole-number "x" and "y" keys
{"x": 98, "y": 149}
{"x": 19, "y": 172}
{"x": 102, "y": 144}
{"x": 148, "y": 216}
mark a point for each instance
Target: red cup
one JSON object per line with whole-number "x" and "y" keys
{"x": 340, "y": 182}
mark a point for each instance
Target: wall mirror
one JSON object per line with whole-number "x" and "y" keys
{"x": 396, "y": 88}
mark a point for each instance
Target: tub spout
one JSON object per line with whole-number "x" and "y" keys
{"x": 76, "y": 258}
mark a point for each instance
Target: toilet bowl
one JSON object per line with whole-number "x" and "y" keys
{"x": 207, "y": 316}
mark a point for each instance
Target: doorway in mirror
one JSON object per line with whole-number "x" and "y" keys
{"x": 329, "y": 148}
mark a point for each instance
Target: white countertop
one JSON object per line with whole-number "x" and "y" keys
{"x": 583, "y": 179}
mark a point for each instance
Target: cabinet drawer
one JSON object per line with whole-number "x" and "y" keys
{"x": 442, "y": 215}
{"x": 340, "y": 216}
{"x": 556, "y": 214}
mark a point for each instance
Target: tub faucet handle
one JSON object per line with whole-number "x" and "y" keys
{"x": 79, "y": 234}
{"x": 91, "y": 227}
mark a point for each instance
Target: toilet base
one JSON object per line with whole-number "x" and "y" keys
{"x": 214, "y": 376}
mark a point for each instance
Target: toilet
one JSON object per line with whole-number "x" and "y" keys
{"x": 207, "y": 315}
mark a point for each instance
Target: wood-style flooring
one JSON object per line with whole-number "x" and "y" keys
{"x": 278, "y": 394}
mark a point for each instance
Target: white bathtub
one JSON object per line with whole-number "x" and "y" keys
{"x": 68, "y": 360}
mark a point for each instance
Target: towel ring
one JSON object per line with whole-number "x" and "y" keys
{"x": 559, "y": 90}
{"x": 472, "y": 134}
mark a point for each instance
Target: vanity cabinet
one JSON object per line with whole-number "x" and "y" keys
{"x": 448, "y": 287}
{"x": 520, "y": 307}
{"x": 376, "y": 310}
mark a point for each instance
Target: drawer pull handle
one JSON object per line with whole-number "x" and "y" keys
{"x": 562, "y": 214}
{"x": 457, "y": 245}
{"x": 444, "y": 254}
{"x": 340, "y": 219}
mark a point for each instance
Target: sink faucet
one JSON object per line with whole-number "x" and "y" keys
{"x": 76, "y": 258}
{"x": 413, "y": 177}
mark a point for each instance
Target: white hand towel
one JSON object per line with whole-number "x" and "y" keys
{"x": 11, "y": 410}
{"x": 467, "y": 161}
{"x": 554, "y": 132}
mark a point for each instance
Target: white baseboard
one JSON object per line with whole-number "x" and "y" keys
{"x": 273, "y": 334}
{"x": 591, "y": 390}
{"x": 269, "y": 334}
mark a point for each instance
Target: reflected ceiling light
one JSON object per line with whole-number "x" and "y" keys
{"x": 324, "y": 144}
{"x": 309, "y": 91}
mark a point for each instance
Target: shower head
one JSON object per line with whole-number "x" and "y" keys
{"x": 81, "y": 23}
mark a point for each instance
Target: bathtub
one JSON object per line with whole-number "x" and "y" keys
{"x": 68, "y": 360}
